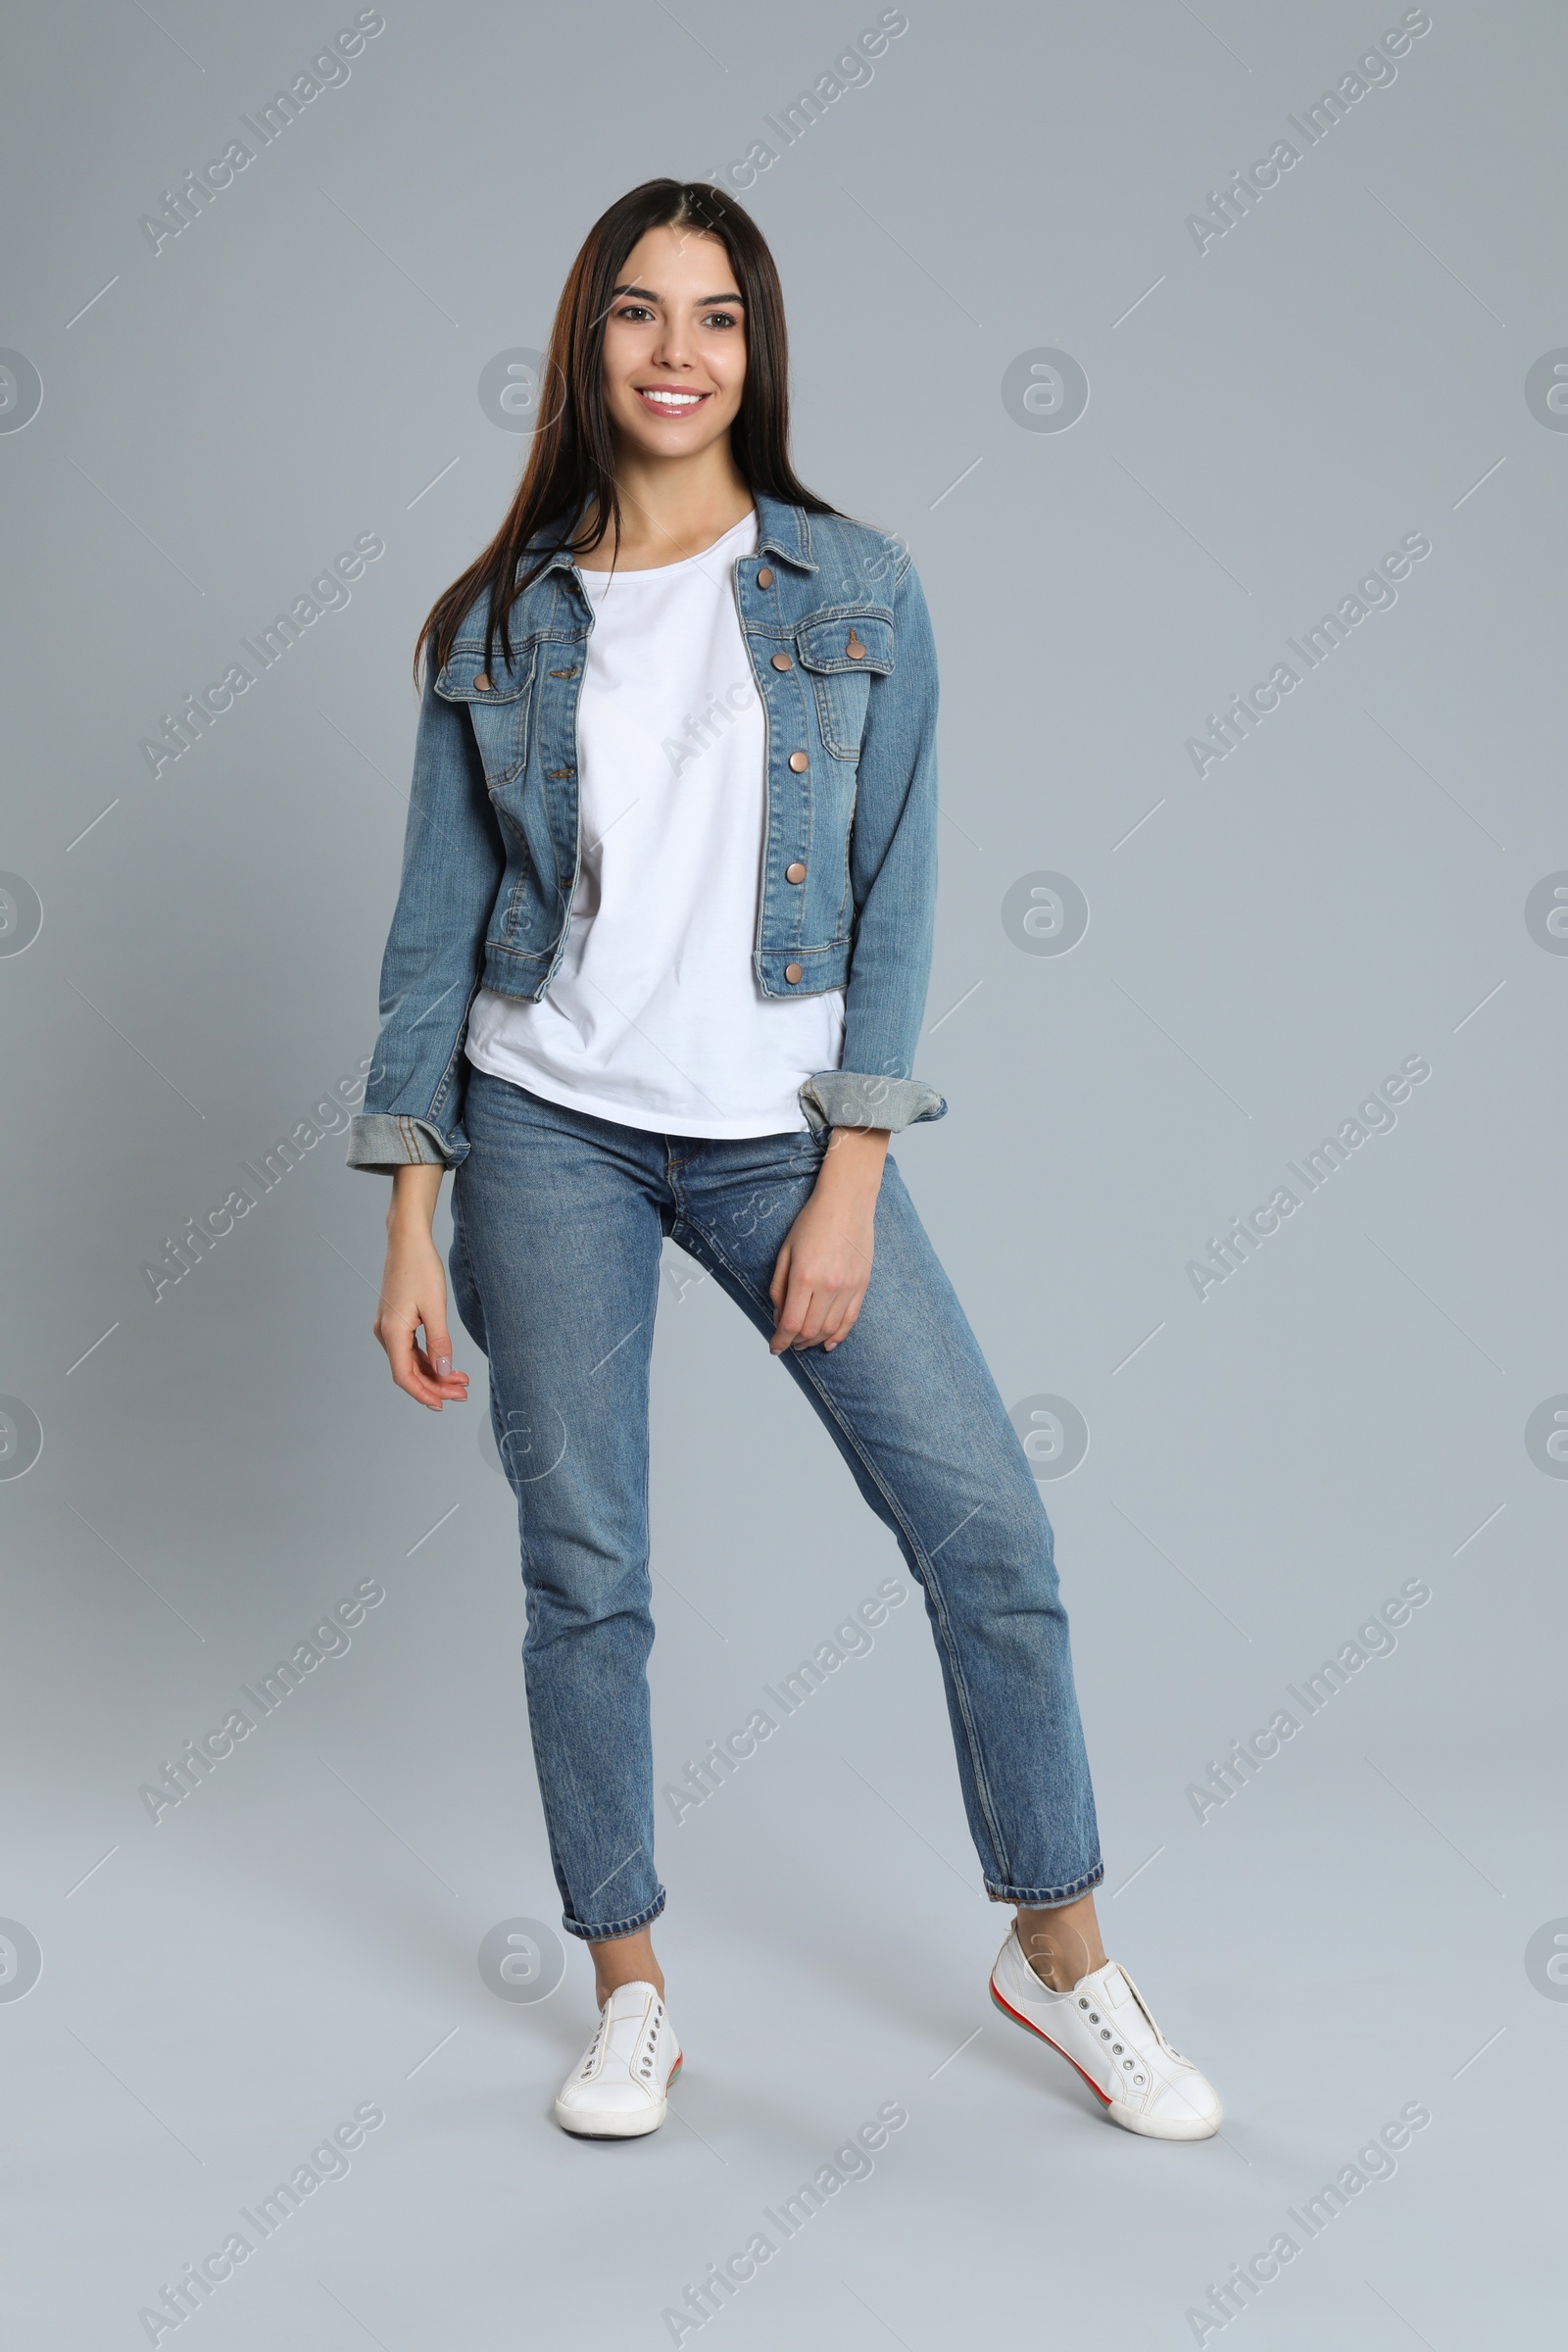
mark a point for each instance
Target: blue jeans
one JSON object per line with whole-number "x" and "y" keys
{"x": 559, "y": 1218}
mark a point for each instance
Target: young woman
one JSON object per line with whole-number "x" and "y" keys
{"x": 657, "y": 967}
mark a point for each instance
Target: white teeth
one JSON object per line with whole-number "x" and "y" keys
{"x": 675, "y": 399}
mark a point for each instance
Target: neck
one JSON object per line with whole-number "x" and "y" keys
{"x": 675, "y": 506}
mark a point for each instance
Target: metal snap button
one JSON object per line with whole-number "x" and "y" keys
{"x": 782, "y": 661}
{"x": 855, "y": 648}
{"x": 764, "y": 578}
{"x": 800, "y": 762}
{"x": 794, "y": 972}
{"x": 482, "y": 683}
{"x": 795, "y": 873}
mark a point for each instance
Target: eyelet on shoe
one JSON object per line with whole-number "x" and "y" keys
{"x": 1083, "y": 2004}
{"x": 1128, "y": 2064}
{"x": 1115, "y": 2049}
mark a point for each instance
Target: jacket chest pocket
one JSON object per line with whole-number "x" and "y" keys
{"x": 842, "y": 652}
{"x": 499, "y": 700}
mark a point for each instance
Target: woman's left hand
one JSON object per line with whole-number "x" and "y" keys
{"x": 825, "y": 1264}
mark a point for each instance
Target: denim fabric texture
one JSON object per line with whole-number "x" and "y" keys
{"x": 559, "y": 1218}
{"x": 841, "y": 649}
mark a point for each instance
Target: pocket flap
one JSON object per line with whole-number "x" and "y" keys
{"x": 464, "y": 678}
{"x": 830, "y": 642}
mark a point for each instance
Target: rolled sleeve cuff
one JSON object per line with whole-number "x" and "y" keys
{"x": 382, "y": 1140}
{"x": 855, "y": 1098}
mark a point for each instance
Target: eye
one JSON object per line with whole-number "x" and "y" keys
{"x": 721, "y": 319}
{"x": 634, "y": 309}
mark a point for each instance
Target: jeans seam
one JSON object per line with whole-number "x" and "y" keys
{"x": 982, "y": 1784}
{"x": 557, "y": 1862}
{"x": 459, "y": 1226}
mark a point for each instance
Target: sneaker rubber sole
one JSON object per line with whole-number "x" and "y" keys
{"x": 633, "y": 2127}
{"x": 1116, "y": 2110}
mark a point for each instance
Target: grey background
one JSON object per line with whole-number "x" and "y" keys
{"x": 300, "y": 365}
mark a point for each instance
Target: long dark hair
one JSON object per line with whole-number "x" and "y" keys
{"x": 572, "y": 453}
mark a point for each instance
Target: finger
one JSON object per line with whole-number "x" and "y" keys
{"x": 818, "y": 1323}
{"x": 791, "y": 1315}
{"x": 411, "y": 1368}
{"x": 844, "y": 1318}
{"x": 438, "y": 1346}
{"x": 811, "y": 1314}
{"x": 436, "y": 1359}
{"x": 451, "y": 1386}
{"x": 779, "y": 1284}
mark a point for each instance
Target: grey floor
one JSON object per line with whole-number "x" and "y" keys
{"x": 302, "y": 1933}
{"x": 188, "y": 2008}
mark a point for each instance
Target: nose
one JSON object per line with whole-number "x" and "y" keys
{"x": 670, "y": 348}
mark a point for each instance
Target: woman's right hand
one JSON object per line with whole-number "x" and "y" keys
{"x": 414, "y": 1295}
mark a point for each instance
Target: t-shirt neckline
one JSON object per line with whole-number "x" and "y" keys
{"x": 662, "y": 571}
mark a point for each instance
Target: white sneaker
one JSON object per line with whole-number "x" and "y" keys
{"x": 1103, "y": 2029}
{"x": 620, "y": 2089}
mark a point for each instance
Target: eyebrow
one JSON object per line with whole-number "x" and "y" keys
{"x": 648, "y": 295}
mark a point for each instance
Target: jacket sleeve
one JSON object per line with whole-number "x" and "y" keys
{"x": 892, "y": 880}
{"x": 453, "y": 861}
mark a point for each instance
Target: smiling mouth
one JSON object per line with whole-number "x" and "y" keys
{"x": 668, "y": 403}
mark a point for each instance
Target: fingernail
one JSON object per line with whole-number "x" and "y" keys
{"x": 443, "y": 1365}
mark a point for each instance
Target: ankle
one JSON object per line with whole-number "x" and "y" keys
{"x": 624, "y": 1960}
{"x": 1060, "y": 1959}
{"x": 1052, "y": 1970}
{"x": 609, "y": 1980}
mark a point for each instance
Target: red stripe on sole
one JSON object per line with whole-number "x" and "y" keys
{"x": 1019, "y": 2019}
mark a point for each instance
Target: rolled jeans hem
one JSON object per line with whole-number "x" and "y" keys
{"x": 1046, "y": 1898}
{"x": 621, "y": 1927}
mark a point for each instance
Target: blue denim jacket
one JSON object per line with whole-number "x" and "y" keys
{"x": 840, "y": 648}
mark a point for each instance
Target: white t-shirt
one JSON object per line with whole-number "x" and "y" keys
{"x": 654, "y": 1017}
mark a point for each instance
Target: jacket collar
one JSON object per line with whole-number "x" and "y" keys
{"x": 782, "y": 530}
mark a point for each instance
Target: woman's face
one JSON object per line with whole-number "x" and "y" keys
{"x": 676, "y": 344}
